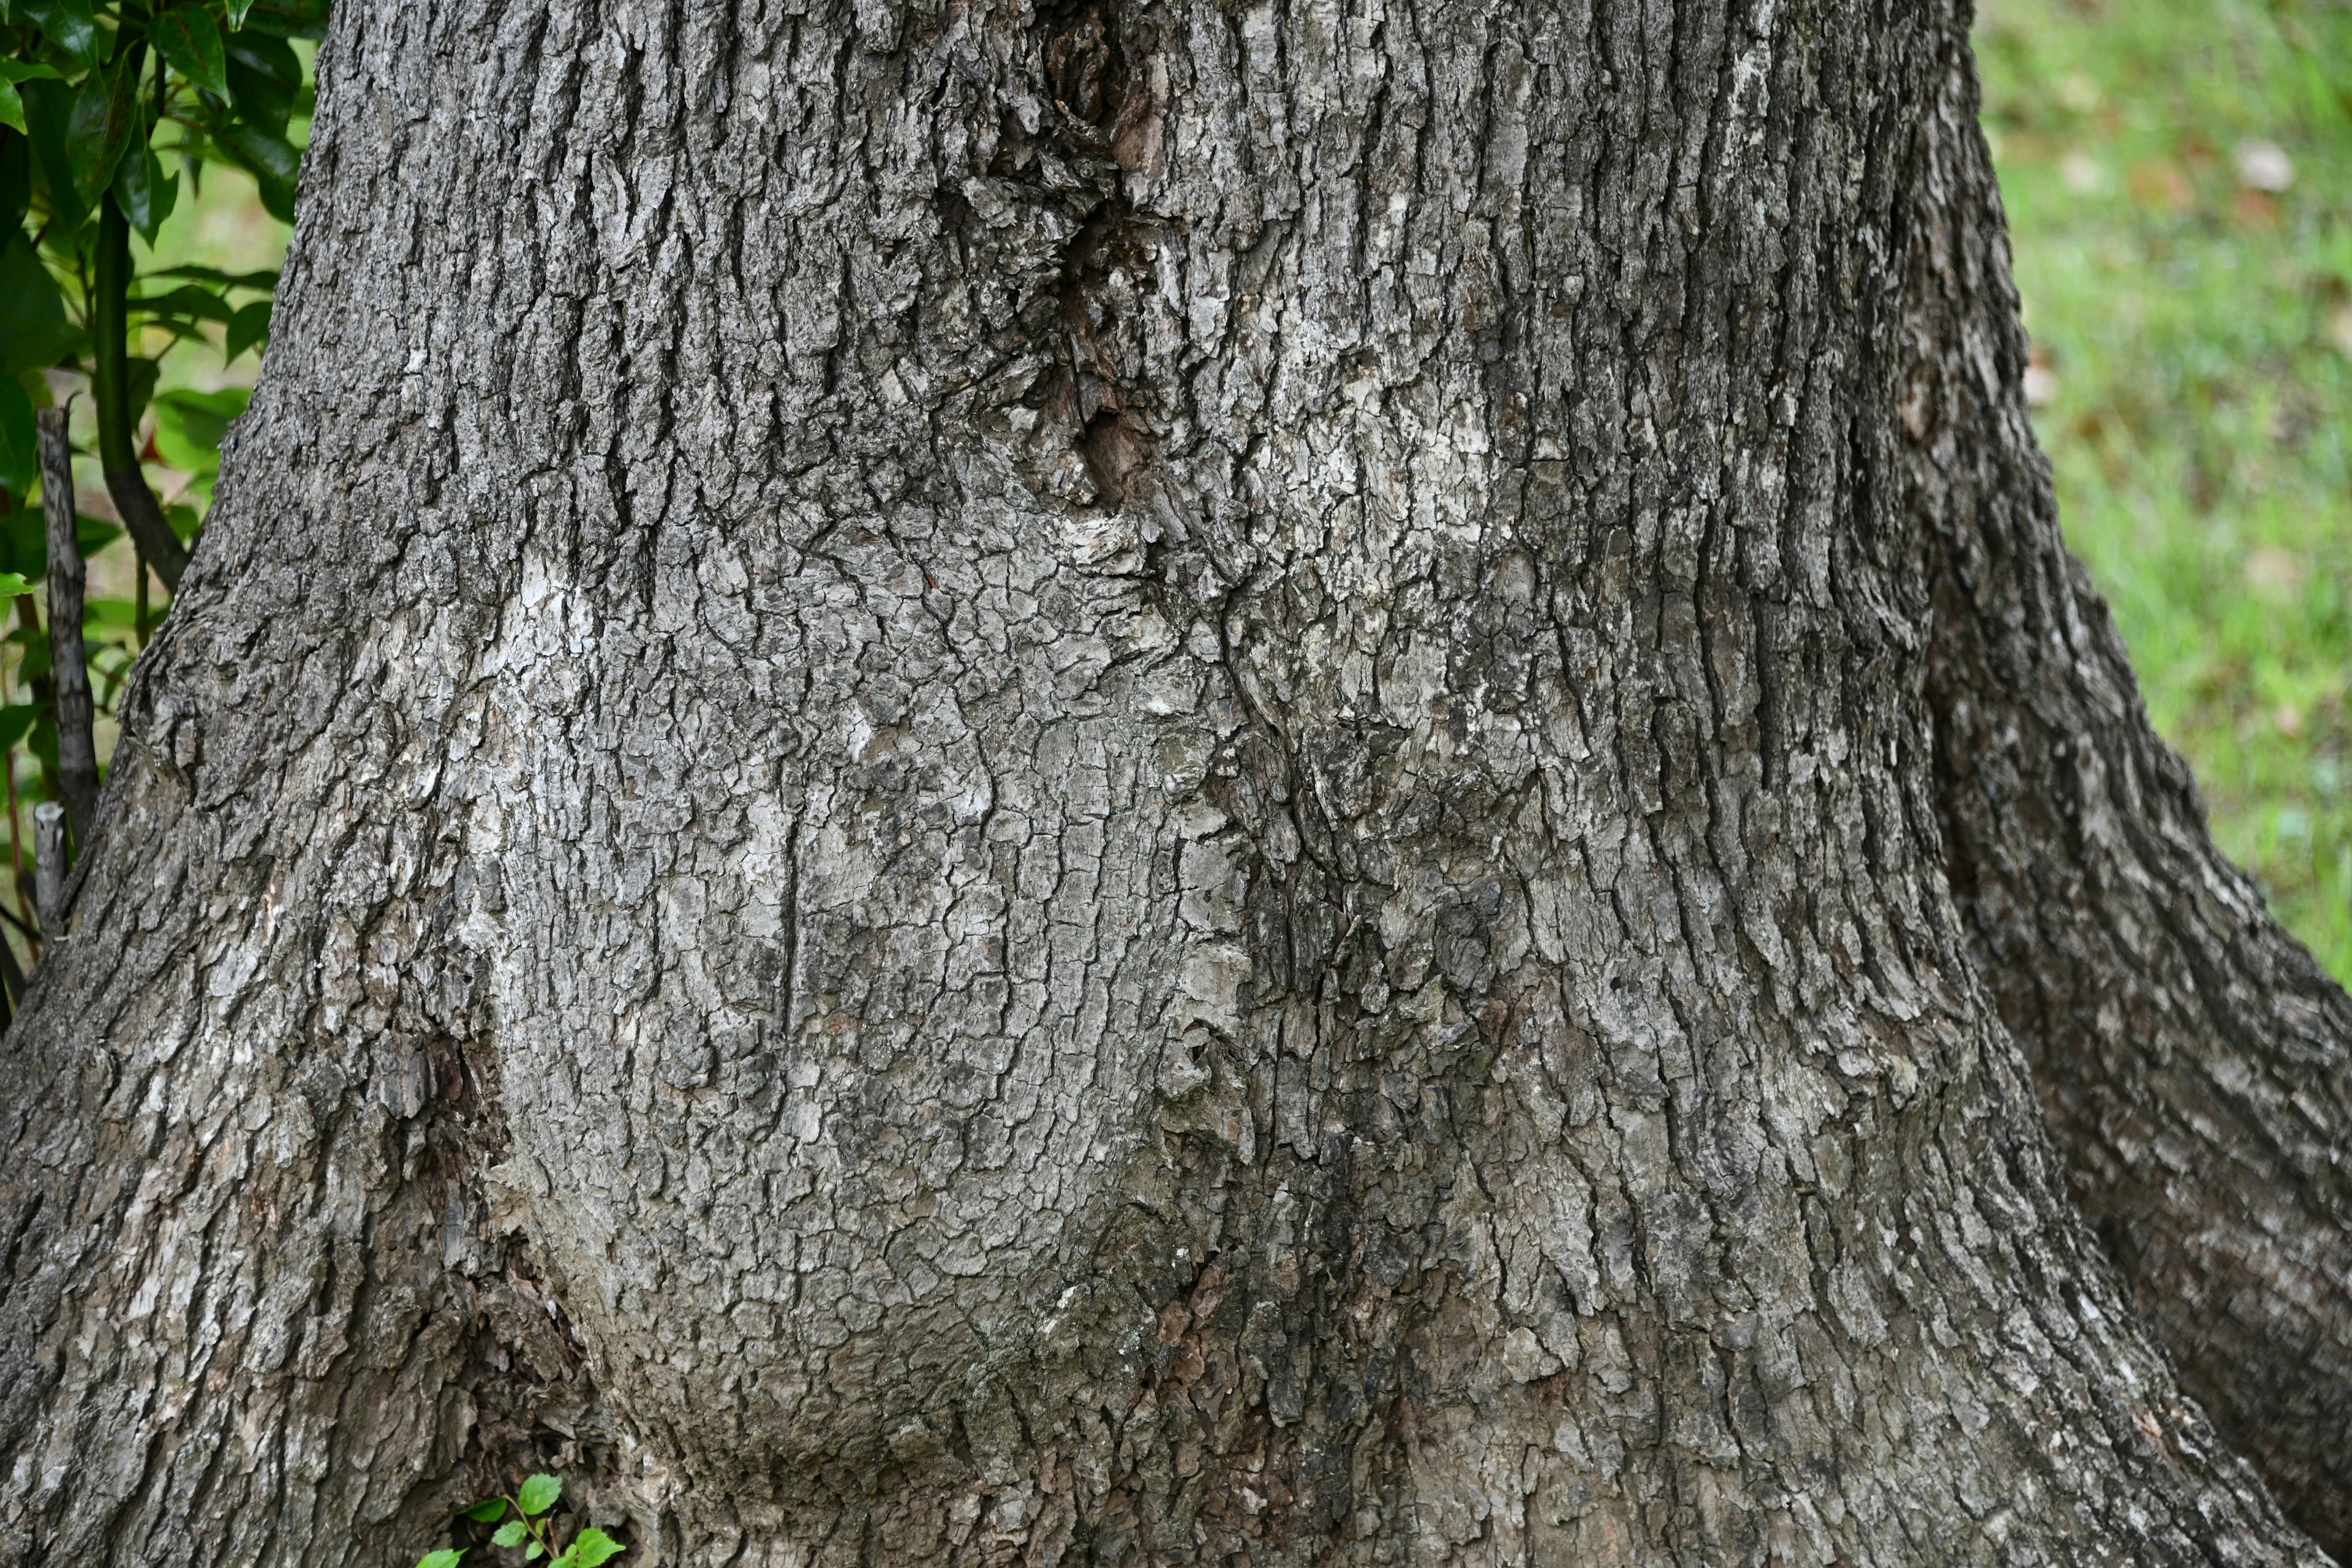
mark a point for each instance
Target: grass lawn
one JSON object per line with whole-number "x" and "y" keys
{"x": 2178, "y": 179}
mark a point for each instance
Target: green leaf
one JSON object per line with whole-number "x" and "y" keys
{"x": 34, "y": 331}
{"x": 20, "y": 451}
{"x": 16, "y": 722}
{"x": 13, "y": 101}
{"x": 269, "y": 158}
{"x": 33, "y": 664}
{"x": 48, "y": 117}
{"x": 184, "y": 328}
{"x": 189, "y": 428}
{"x": 594, "y": 1547}
{"x": 12, "y": 586}
{"x": 442, "y": 1559}
{"x": 139, "y": 383}
{"x": 105, "y": 112}
{"x": 286, "y": 18}
{"x": 215, "y": 276}
{"x": 68, "y": 23}
{"x": 185, "y": 523}
{"x": 263, "y": 77}
{"x": 25, "y": 544}
{"x": 511, "y": 1533}
{"x": 143, "y": 192}
{"x": 16, "y": 174}
{"x": 490, "y": 1509}
{"x": 538, "y": 1493}
{"x": 24, "y": 541}
{"x": 536, "y": 1550}
{"x": 249, "y": 328}
{"x": 190, "y": 42}
{"x": 188, "y": 300}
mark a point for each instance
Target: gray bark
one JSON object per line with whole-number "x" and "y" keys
{"x": 49, "y": 856}
{"x": 1152, "y": 784}
{"x": 2192, "y": 1058}
{"x": 68, "y": 676}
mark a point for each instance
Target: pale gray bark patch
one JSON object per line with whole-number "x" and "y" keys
{"x": 1106, "y": 782}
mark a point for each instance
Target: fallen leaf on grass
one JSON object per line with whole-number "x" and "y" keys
{"x": 2254, "y": 209}
{"x": 2272, "y": 572}
{"x": 2081, "y": 173}
{"x": 2265, "y": 166}
{"x": 2161, "y": 184}
{"x": 2040, "y": 381}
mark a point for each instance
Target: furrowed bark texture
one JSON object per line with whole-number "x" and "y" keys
{"x": 68, "y": 675}
{"x": 1109, "y": 782}
{"x": 2194, "y": 1063}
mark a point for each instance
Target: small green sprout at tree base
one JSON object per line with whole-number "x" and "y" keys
{"x": 530, "y": 1529}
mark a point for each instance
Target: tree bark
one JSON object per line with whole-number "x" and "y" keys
{"x": 2194, "y": 1062}
{"x": 72, "y": 711}
{"x": 1156, "y": 782}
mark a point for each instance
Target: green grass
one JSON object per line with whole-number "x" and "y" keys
{"x": 2194, "y": 335}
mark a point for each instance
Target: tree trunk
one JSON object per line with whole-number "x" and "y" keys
{"x": 1142, "y": 783}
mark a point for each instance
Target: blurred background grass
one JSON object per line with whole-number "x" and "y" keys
{"x": 2179, "y": 180}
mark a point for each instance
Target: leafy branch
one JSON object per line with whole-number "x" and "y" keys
{"x": 96, "y": 98}
{"x": 532, "y": 1528}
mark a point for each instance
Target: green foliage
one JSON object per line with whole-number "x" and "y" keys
{"x": 111, "y": 113}
{"x": 69, "y": 24}
{"x": 190, "y": 40}
{"x": 97, "y": 104}
{"x": 143, "y": 191}
{"x": 592, "y": 1548}
{"x": 191, "y": 426}
{"x": 33, "y": 330}
{"x": 532, "y": 1527}
{"x": 20, "y": 452}
{"x": 12, "y": 100}
{"x": 2176, "y": 177}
